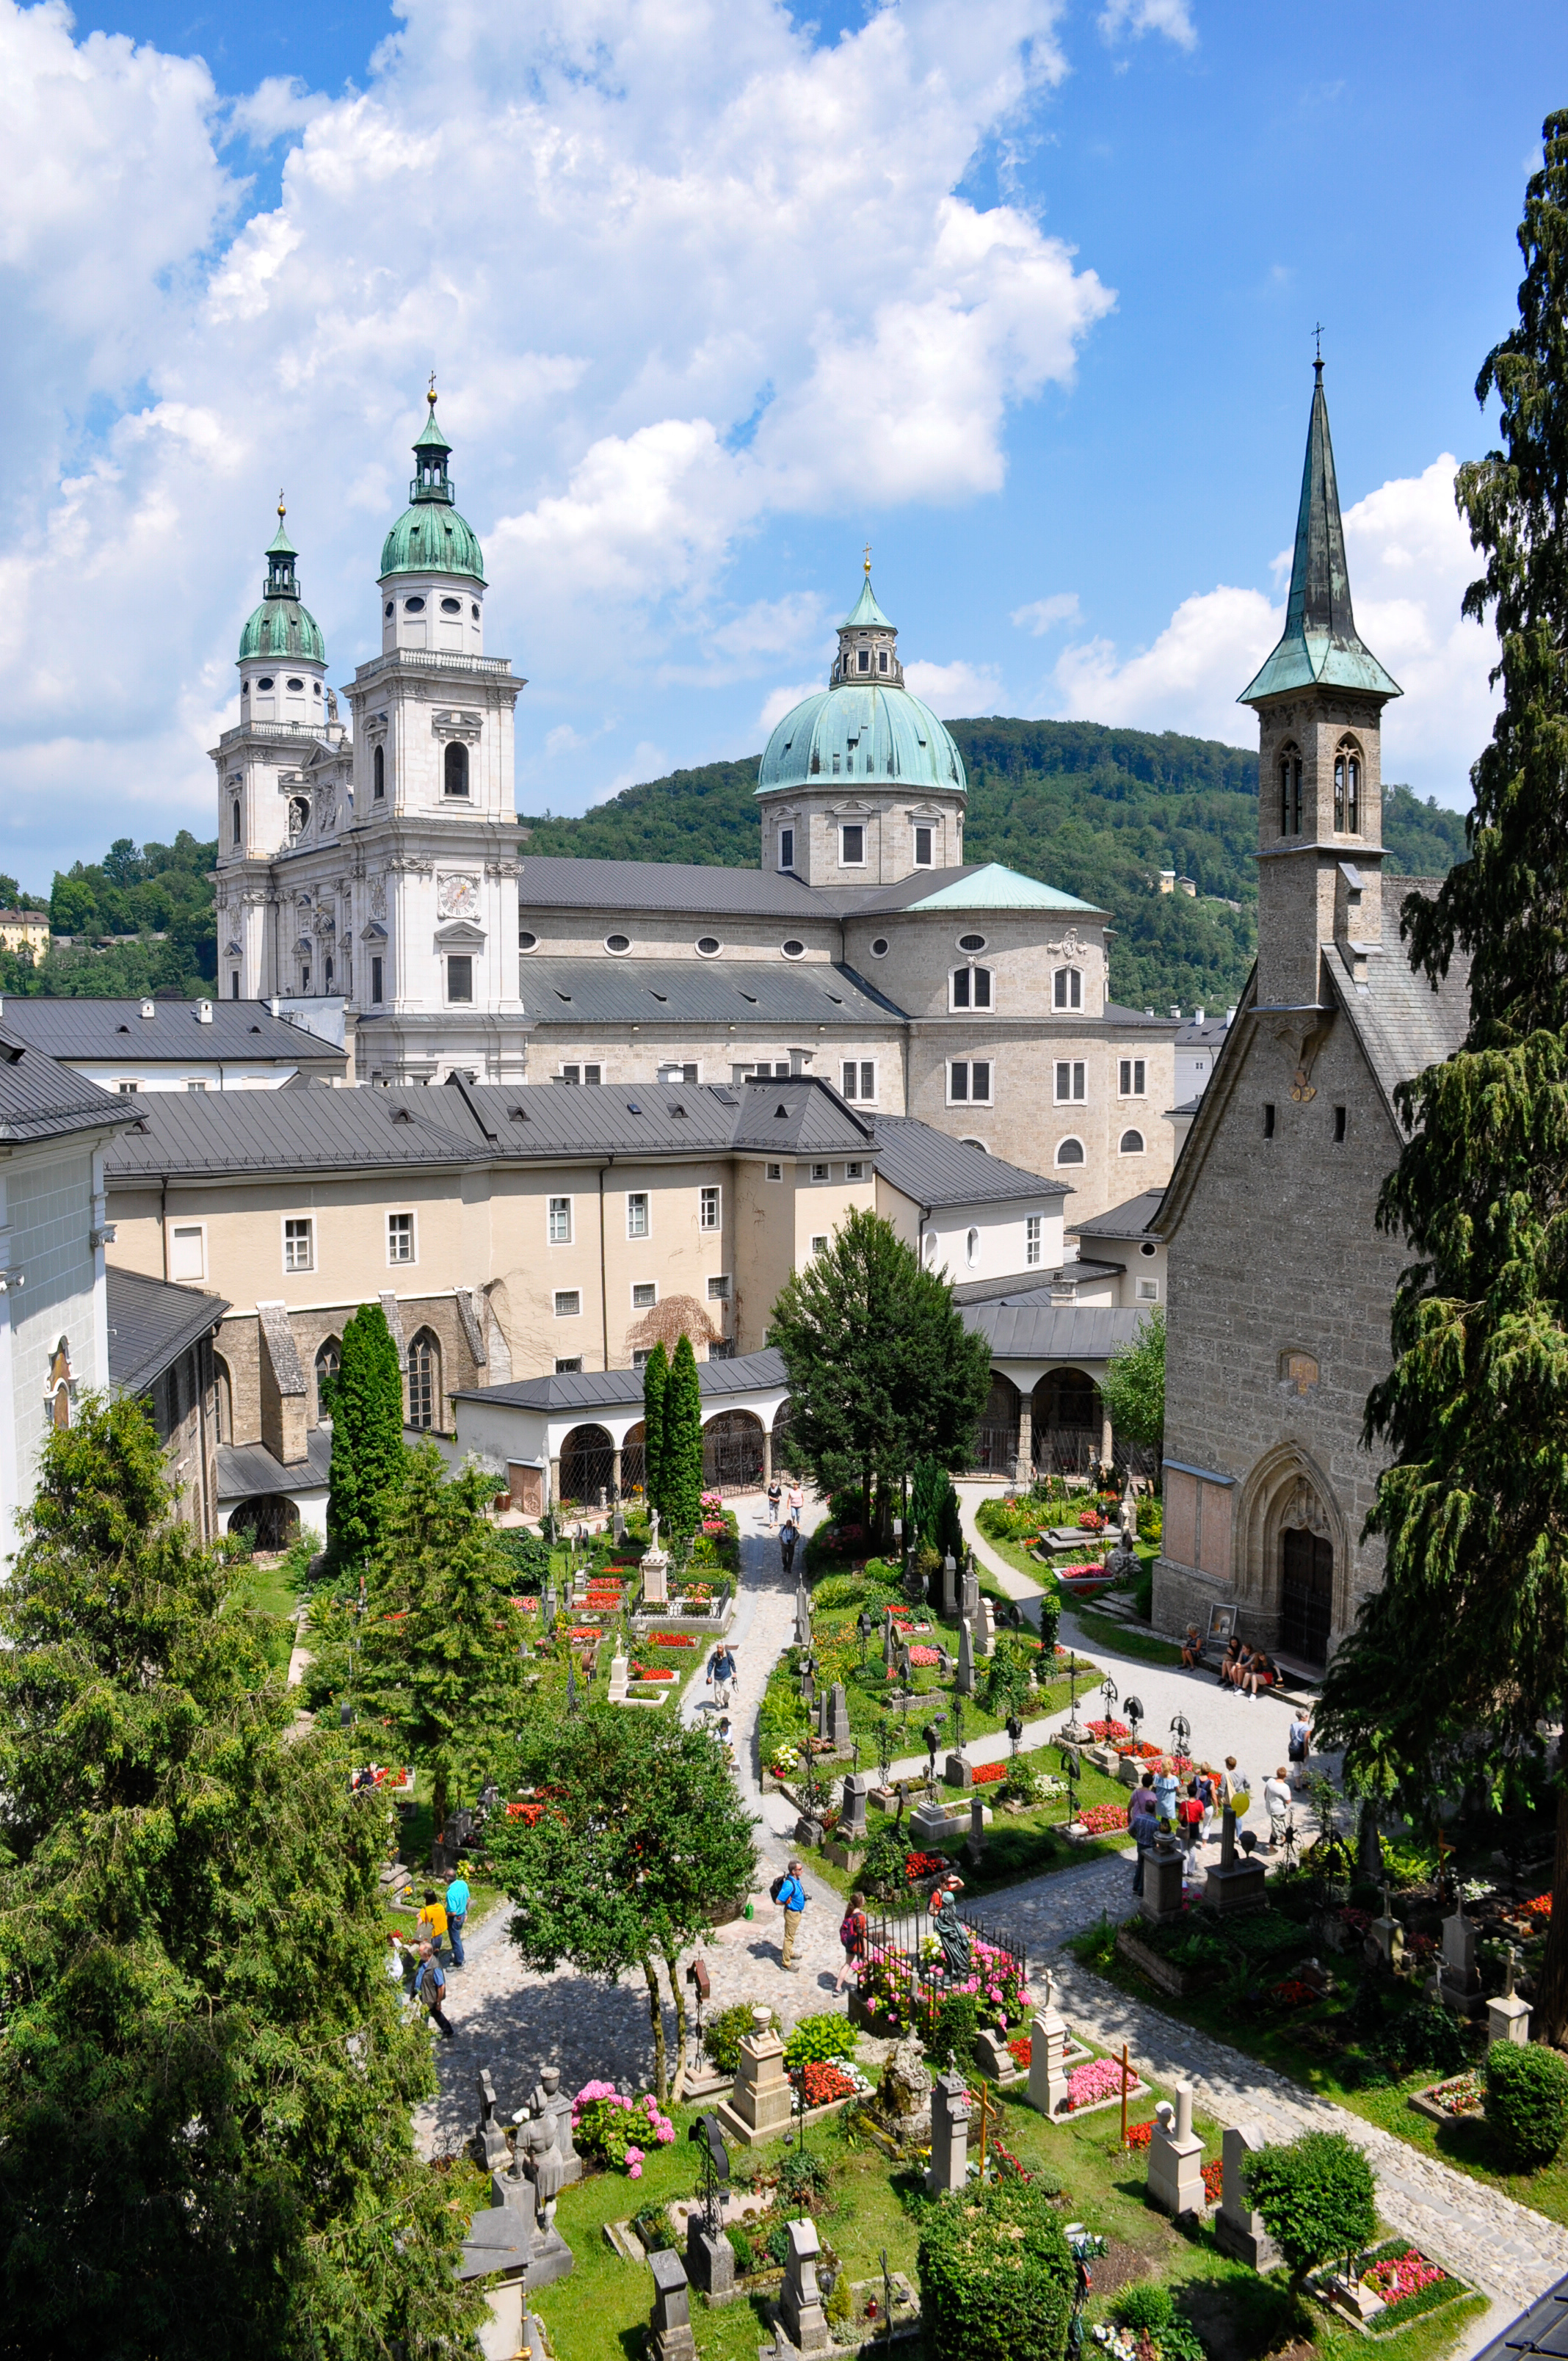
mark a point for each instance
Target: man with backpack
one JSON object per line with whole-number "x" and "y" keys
{"x": 790, "y": 1894}
{"x": 430, "y": 1988}
{"x": 722, "y": 1673}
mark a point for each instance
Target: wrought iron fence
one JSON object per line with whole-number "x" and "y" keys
{"x": 909, "y": 1939}
{"x": 995, "y": 1451}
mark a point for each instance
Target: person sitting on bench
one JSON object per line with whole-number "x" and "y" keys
{"x": 1192, "y": 1648}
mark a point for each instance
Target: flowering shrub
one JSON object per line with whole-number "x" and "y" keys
{"x": 1112, "y": 1730}
{"x": 1089, "y": 1521}
{"x": 1214, "y": 2179}
{"x": 1099, "y": 2079}
{"x": 923, "y": 1864}
{"x": 525, "y": 1605}
{"x": 1402, "y": 2275}
{"x": 699, "y": 1594}
{"x": 897, "y": 2000}
{"x": 1103, "y": 1819}
{"x": 616, "y": 2132}
{"x": 925, "y": 1655}
{"x": 1292, "y": 1993}
{"x": 986, "y": 1774}
{"x": 784, "y": 1763}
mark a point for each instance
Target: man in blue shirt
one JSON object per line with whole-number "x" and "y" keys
{"x": 456, "y": 1912}
{"x": 792, "y": 1896}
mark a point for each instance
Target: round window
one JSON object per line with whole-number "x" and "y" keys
{"x": 389, "y": 606}
{"x": 525, "y": 941}
{"x": 707, "y": 945}
{"x": 793, "y": 949}
{"x": 452, "y": 606}
{"x": 297, "y": 685}
{"x": 413, "y": 606}
{"x": 971, "y": 942}
{"x": 1148, "y": 1247}
{"x": 264, "y": 684}
{"x": 617, "y": 942}
{"x": 879, "y": 948}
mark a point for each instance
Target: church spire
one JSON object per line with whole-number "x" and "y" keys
{"x": 1320, "y": 643}
{"x": 281, "y": 555}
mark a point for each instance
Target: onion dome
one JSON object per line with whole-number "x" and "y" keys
{"x": 281, "y": 626}
{"x": 865, "y": 724}
{"x": 430, "y": 537}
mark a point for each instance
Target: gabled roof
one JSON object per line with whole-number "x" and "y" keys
{"x": 933, "y": 1170}
{"x": 973, "y": 885}
{"x": 571, "y": 993}
{"x": 590, "y": 1390}
{"x": 784, "y": 1117}
{"x": 1025, "y": 1328}
{"x": 559, "y": 882}
{"x": 114, "y": 1030}
{"x": 41, "y": 1100}
{"x": 1128, "y": 1220}
{"x": 151, "y": 1322}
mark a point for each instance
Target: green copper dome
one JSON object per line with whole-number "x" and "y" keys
{"x": 281, "y": 626}
{"x": 430, "y": 537}
{"x": 854, "y": 732}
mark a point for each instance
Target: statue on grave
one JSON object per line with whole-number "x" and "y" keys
{"x": 958, "y": 1950}
{"x": 653, "y": 1529}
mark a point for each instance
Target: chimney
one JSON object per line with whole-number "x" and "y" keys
{"x": 148, "y": 1008}
{"x": 1176, "y": 1013}
{"x": 203, "y": 1012}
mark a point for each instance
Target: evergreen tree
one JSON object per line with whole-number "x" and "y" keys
{"x": 205, "y": 2077}
{"x": 882, "y": 1370}
{"x": 440, "y": 1657}
{"x": 680, "y": 1463}
{"x": 366, "y": 1436}
{"x": 655, "y": 1384}
{"x": 1464, "y": 1644}
{"x": 1134, "y": 1385}
{"x": 934, "y": 1508}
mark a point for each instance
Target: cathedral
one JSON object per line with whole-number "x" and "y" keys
{"x": 379, "y": 863}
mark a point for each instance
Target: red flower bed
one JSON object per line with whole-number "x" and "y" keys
{"x": 1214, "y": 2179}
{"x": 1139, "y": 2134}
{"x": 988, "y": 1773}
{"x": 1022, "y": 2049}
{"x": 650, "y": 1672}
{"x": 1292, "y": 1993}
{"x": 673, "y": 1640}
{"x": 1108, "y": 1729}
{"x": 529, "y": 1814}
{"x": 1540, "y": 1908}
{"x": 923, "y": 1864}
{"x": 822, "y": 2082}
{"x": 1104, "y": 1819}
{"x": 925, "y": 1655}
{"x": 580, "y": 1631}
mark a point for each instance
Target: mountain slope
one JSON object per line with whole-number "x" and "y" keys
{"x": 1098, "y": 812}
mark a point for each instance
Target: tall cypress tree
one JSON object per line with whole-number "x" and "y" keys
{"x": 655, "y": 1384}
{"x": 681, "y": 1461}
{"x": 366, "y": 1436}
{"x": 1463, "y": 1647}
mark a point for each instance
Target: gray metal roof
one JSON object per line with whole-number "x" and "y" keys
{"x": 1544, "y": 2329}
{"x": 1140, "y": 1020}
{"x": 559, "y": 882}
{"x": 117, "y": 1028}
{"x": 42, "y": 1100}
{"x": 247, "y": 1469}
{"x": 284, "y": 1131}
{"x": 1200, "y": 1032}
{"x": 151, "y": 1322}
{"x": 934, "y": 1170}
{"x": 1403, "y": 1024}
{"x": 1042, "y": 1284}
{"x": 614, "y": 1388}
{"x": 572, "y": 992}
{"x": 1128, "y": 1220}
{"x": 1023, "y": 1328}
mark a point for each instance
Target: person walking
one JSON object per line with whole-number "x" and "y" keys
{"x": 430, "y": 1988}
{"x": 795, "y": 1503}
{"x": 1144, "y": 1827}
{"x": 790, "y": 1894}
{"x": 852, "y": 1935}
{"x": 1167, "y": 1789}
{"x": 431, "y": 1924}
{"x": 788, "y": 1533}
{"x": 720, "y": 1674}
{"x": 457, "y": 1917}
{"x": 776, "y": 1494}
{"x": 1299, "y": 1745}
{"x": 1277, "y": 1803}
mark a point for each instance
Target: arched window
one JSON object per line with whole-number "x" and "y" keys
{"x": 424, "y": 1381}
{"x": 1070, "y": 1151}
{"x": 329, "y": 1360}
{"x": 971, "y": 1248}
{"x": 379, "y": 773}
{"x": 58, "y": 1408}
{"x": 236, "y": 820}
{"x": 971, "y": 987}
{"x": 1347, "y": 789}
{"x": 1066, "y": 987}
{"x": 1132, "y": 1143}
{"x": 454, "y": 769}
{"x": 1290, "y": 791}
{"x": 222, "y": 1398}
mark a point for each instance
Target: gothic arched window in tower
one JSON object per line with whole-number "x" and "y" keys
{"x": 1290, "y": 791}
{"x": 379, "y": 774}
{"x": 1347, "y": 788}
{"x": 424, "y": 1381}
{"x": 454, "y": 769}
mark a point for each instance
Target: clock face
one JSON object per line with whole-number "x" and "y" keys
{"x": 459, "y": 897}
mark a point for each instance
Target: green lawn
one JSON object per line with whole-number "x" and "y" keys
{"x": 1098, "y": 1630}
{"x": 598, "y": 2312}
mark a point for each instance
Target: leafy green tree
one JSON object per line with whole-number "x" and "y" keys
{"x": 1464, "y": 1646}
{"x": 1132, "y": 1389}
{"x": 367, "y": 1452}
{"x": 680, "y": 1462}
{"x": 205, "y": 2079}
{"x": 655, "y": 1385}
{"x": 621, "y": 1870}
{"x": 1316, "y": 2197}
{"x": 882, "y": 1370}
{"x": 440, "y": 1654}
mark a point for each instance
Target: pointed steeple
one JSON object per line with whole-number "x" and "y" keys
{"x": 281, "y": 555}
{"x": 868, "y": 642}
{"x": 1319, "y": 644}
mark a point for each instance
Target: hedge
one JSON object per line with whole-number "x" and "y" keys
{"x": 996, "y": 2279}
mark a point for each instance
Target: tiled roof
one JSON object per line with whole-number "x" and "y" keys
{"x": 152, "y": 1323}
{"x": 1128, "y": 1220}
{"x": 117, "y": 1028}
{"x": 609, "y": 1388}
{"x": 42, "y": 1100}
{"x": 1403, "y": 1024}
{"x": 558, "y": 882}
{"x": 246, "y": 1469}
{"x": 934, "y": 1170}
{"x": 571, "y": 993}
{"x": 1024, "y": 1328}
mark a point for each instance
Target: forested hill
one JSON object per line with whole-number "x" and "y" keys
{"x": 1097, "y": 812}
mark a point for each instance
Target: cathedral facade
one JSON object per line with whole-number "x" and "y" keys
{"x": 379, "y": 861}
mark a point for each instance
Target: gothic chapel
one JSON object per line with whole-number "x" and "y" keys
{"x": 1279, "y": 1284}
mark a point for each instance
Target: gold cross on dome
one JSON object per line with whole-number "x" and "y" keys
{"x": 867, "y": 561}
{"x": 430, "y": 397}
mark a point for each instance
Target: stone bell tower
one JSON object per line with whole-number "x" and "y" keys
{"x": 1320, "y": 700}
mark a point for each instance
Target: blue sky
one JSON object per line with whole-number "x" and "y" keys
{"x": 1023, "y": 292}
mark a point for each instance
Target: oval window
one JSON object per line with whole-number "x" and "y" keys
{"x": 879, "y": 948}
{"x": 413, "y": 606}
{"x": 707, "y": 945}
{"x": 1148, "y": 1247}
{"x": 317, "y": 687}
{"x": 296, "y": 686}
{"x": 617, "y": 942}
{"x": 793, "y": 949}
{"x": 389, "y": 606}
{"x": 473, "y": 609}
{"x": 971, "y": 942}
{"x": 525, "y": 941}
{"x": 264, "y": 684}
{"x": 452, "y": 606}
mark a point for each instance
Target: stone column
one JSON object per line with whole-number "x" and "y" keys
{"x": 767, "y": 1457}
{"x": 800, "y": 2305}
{"x": 1026, "y": 1438}
{"x": 1048, "y": 2063}
{"x": 615, "y": 1471}
{"x": 1107, "y": 1440}
{"x": 552, "y": 1500}
{"x": 948, "y": 2168}
{"x": 1175, "y": 2157}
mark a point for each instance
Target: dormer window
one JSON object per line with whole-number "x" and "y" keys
{"x": 1347, "y": 789}
{"x": 1290, "y": 791}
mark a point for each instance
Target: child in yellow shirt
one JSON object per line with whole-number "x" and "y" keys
{"x": 431, "y": 1926}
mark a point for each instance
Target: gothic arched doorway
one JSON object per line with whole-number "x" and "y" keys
{"x": 1306, "y": 1594}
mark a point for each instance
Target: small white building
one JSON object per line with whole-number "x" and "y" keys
{"x": 1124, "y": 1245}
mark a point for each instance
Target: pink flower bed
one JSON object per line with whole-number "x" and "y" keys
{"x": 1403, "y": 2275}
{"x": 1104, "y": 1819}
{"x": 1108, "y": 1729}
{"x": 925, "y": 1655}
{"x": 1101, "y": 2079}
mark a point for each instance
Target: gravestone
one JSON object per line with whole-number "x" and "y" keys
{"x": 852, "y": 1824}
{"x": 948, "y": 2168}
{"x": 655, "y": 1576}
{"x": 670, "y": 2323}
{"x": 963, "y": 1679}
{"x": 1508, "y": 2016}
{"x": 1457, "y": 1984}
{"x": 802, "y": 1615}
{"x": 800, "y": 2304}
{"x": 969, "y": 1592}
{"x": 836, "y": 1730}
{"x": 929, "y": 1825}
{"x": 1161, "y": 1896}
{"x": 711, "y": 2262}
{"x": 1238, "y": 2230}
{"x": 904, "y": 2096}
{"x": 759, "y": 2105}
{"x": 1385, "y": 1937}
{"x": 956, "y": 1773}
{"x": 1175, "y": 2157}
{"x": 981, "y": 1627}
{"x": 977, "y": 1840}
{"x": 619, "y": 1678}
{"x": 949, "y": 1605}
{"x": 1236, "y": 1883}
{"x": 1047, "y": 2060}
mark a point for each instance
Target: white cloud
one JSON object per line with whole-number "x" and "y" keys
{"x": 280, "y": 104}
{"x": 770, "y": 627}
{"x": 1410, "y": 561}
{"x": 954, "y": 687}
{"x": 648, "y": 762}
{"x": 1171, "y": 17}
{"x": 779, "y": 701}
{"x": 1042, "y": 615}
